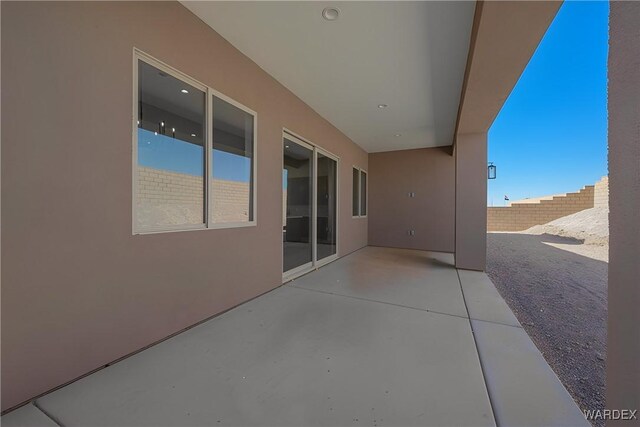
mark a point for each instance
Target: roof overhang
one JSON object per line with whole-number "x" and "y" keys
{"x": 505, "y": 36}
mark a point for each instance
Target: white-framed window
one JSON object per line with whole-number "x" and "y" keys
{"x": 359, "y": 193}
{"x": 194, "y": 153}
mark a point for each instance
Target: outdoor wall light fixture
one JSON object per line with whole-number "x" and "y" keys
{"x": 330, "y": 13}
{"x": 491, "y": 171}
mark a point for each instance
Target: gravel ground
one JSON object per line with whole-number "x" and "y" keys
{"x": 560, "y": 298}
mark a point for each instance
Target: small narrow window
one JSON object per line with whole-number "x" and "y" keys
{"x": 359, "y": 193}
{"x": 363, "y": 193}
{"x": 356, "y": 192}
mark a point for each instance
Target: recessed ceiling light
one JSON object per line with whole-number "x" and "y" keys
{"x": 286, "y": 146}
{"x": 193, "y": 134}
{"x": 184, "y": 91}
{"x": 331, "y": 13}
{"x": 382, "y": 105}
{"x": 398, "y": 134}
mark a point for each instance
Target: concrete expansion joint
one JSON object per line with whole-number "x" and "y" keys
{"x": 381, "y": 302}
{"x": 475, "y": 342}
{"x": 48, "y": 415}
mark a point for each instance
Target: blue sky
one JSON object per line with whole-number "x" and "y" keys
{"x": 551, "y": 135}
{"x": 164, "y": 152}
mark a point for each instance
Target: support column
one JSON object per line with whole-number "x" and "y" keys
{"x": 623, "y": 340}
{"x": 471, "y": 201}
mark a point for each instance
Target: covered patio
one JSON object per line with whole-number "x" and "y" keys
{"x": 379, "y": 337}
{"x": 160, "y": 160}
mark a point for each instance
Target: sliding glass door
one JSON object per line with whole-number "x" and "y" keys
{"x": 326, "y": 190}
{"x": 297, "y": 190}
{"x": 309, "y": 204}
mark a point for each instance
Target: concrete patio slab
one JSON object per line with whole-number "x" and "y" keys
{"x": 483, "y": 300}
{"x": 524, "y": 390}
{"x": 306, "y": 355}
{"x": 293, "y": 357}
{"x": 27, "y": 416}
{"x": 410, "y": 278}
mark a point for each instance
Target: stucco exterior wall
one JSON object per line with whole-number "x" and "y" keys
{"x": 78, "y": 289}
{"x": 471, "y": 201}
{"x": 520, "y": 216}
{"x": 428, "y": 173}
{"x": 623, "y": 334}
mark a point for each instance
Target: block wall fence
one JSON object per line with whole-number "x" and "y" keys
{"x": 522, "y": 215}
{"x": 601, "y": 194}
{"x": 159, "y": 189}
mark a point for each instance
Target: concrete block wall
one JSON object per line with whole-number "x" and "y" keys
{"x": 230, "y": 201}
{"x": 521, "y": 216}
{"x": 171, "y": 197}
{"x": 601, "y": 193}
{"x": 156, "y": 185}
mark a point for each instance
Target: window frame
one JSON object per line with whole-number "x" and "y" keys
{"x": 208, "y": 224}
{"x": 359, "y": 190}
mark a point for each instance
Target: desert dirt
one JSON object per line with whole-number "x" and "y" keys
{"x": 554, "y": 278}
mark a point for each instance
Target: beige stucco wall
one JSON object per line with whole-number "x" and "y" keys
{"x": 78, "y": 289}
{"x": 523, "y": 215}
{"x": 471, "y": 201}
{"x": 623, "y": 336}
{"x": 430, "y": 174}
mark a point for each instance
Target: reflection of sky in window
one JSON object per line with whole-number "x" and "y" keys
{"x": 231, "y": 167}
{"x": 164, "y": 152}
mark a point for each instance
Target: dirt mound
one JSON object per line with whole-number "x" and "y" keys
{"x": 589, "y": 225}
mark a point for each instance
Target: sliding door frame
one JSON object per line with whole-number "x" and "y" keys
{"x": 325, "y": 260}
{"x": 315, "y": 263}
{"x": 308, "y": 266}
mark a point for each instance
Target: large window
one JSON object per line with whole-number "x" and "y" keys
{"x": 359, "y": 195}
{"x": 194, "y": 154}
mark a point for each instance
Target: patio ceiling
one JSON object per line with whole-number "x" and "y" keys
{"x": 409, "y": 56}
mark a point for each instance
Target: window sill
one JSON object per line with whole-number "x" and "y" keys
{"x": 202, "y": 227}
